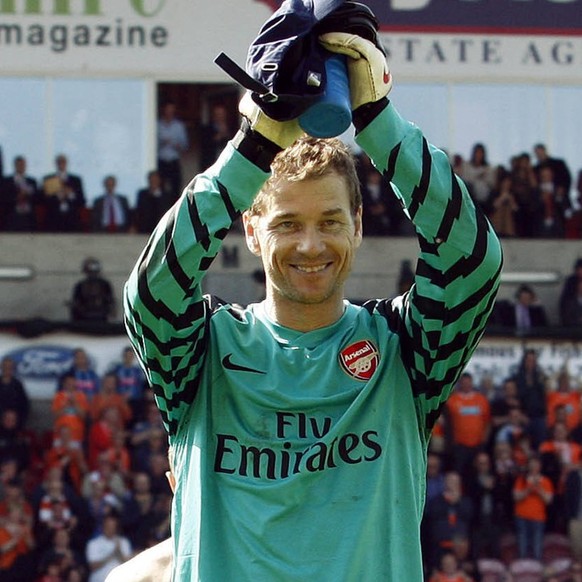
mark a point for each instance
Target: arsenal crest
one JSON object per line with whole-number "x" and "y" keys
{"x": 360, "y": 360}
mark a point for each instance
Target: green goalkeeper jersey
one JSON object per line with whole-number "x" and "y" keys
{"x": 301, "y": 456}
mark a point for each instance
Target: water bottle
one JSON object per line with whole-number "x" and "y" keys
{"x": 331, "y": 115}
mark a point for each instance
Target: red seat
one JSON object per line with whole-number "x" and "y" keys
{"x": 526, "y": 570}
{"x": 492, "y": 570}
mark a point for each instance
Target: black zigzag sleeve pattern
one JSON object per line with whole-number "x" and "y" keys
{"x": 442, "y": 318}
{"x": 166, "y": 314}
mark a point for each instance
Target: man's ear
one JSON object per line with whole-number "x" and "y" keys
{"x": 249, "y": 225}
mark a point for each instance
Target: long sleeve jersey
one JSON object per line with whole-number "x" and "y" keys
{"x": 302, "y": 455}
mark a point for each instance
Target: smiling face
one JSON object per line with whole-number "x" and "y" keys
{"x": 306, "y": 235}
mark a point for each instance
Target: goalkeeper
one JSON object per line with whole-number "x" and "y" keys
{"x": 300, "y": 424}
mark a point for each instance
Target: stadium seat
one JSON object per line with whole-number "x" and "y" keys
{"x": 526, "y": 570}
{"x": 492, "y": 570}
{"x": 555, "y": 546}
{"x": 560, "y": 569}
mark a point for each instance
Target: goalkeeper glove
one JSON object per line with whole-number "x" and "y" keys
{"x": 281, "y": 133}
{"x": 369, "y": 75}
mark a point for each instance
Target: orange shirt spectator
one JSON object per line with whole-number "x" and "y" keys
{"x": 16, "y": 541}
{"x": 70, "y": 408}
{"x": 469, "y": 413}
{"x": 108, "y": 397}
{"x": 102, "y": 434}
{"x": 449, "y": 570}
{"x": 532, "y": 493}
{"x": 569, "y": 402}
{"x": 67, "y": 454}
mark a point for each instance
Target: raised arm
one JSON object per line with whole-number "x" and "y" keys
{"x": 444, "y": 315}
{"x": 166, "y": 313}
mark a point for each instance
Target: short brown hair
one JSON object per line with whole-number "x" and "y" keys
{"x": 310, "y": 158}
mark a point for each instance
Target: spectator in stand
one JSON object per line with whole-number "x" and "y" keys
{"x": 67, "y": 454}
{"x": 54, "y": 513}
{"x": 92, "y": 298}
{"x": 70, "y": 408}
{"x": 514, "y": 427}
{"x": 570, "y": 285}
{"x": 112, "y": 479}
{"x": 107, "y": 550}
{"x": 145, "y": 432}
{"x": 13, "y": 395}
{"x": 464, "y": 553}
{"x": 111, "y": 211}
{"x": 571, "y": 309}
{"x": 86, "y": 378}
{"x": 119, "y": 455}
{"x": 16, "y": 548}
{"x": 481, "y": 487}
{"x": 522, "y": 316}
{"x": 503, "y": 403}
{"x": 60, "y": 552}
{"x": 215, "y": 134}
{"x": 14, "y": 444}
{"x": 109, "y": 397}
{"x": 449, "y": 570}
{"x": 435, "y": 478}
{"x": 561, "y": 176}
{"x": 14, "y": 497}
{"x": 64, "y": 199}
{"x": 567, "y": 399}
{"x": 570, "y": 301}
{"x": 559, "y": 455}
{"x": 102, "y": 434}
{"x": 73, "y": 500}
{"x": 172, "y": 143}
{"x": 506, "y": 471}
{"x": 100, "y": 503}
{"x": 138, "y": 515}
{"x": 8, "y": 472}
{"x": 468, "y": 417}
{"x": 524, "y": 183}
{"x": 376, "y": 195}
{"x": 446, "y": 516}
{"x": 20, "y": 199}
{"x": 131, "y": 382}
{"x": 556, "y": 204}
{"x": 531, "y": 388}
{"x": 157, "y": 469}
{"x": 503, "y": 206}
{"x": 532, "y": 492}
{"x": 479, "y": 176}
{"x": 152, "y": 203}
{"x": 573, "y": 506}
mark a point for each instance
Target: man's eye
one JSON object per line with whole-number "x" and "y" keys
{"x": 286, "y": 225}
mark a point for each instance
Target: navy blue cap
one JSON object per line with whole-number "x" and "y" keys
{"x": 285, "y": 66}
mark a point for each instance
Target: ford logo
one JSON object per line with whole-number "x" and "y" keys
{"x": 42, "y": 362}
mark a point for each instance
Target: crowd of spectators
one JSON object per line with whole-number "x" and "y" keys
{"x": 533, "y": 196}
{"x": 87, "y": 494}
{"x": 504, "y": 476}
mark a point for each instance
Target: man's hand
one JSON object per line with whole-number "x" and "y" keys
{"x": 368, "y": 71}
{"x": 281, "y": 133}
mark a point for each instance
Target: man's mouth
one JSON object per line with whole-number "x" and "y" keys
{"x": 311, "y": 268}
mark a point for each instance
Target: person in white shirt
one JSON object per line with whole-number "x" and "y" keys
{"x": 108, "y": 550}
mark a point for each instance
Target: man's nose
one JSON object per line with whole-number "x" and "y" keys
{"x": 311, "y": 241}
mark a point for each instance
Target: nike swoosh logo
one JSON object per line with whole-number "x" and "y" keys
{"x": 230, "y": 365}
